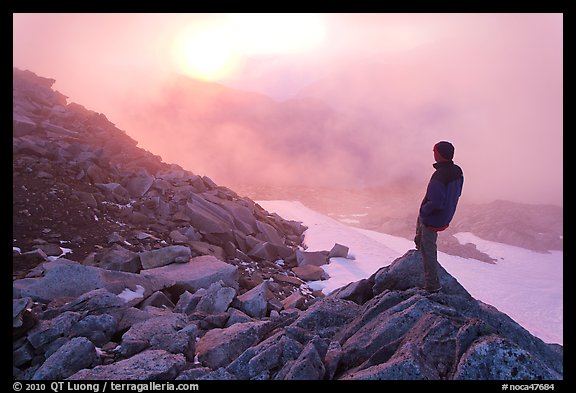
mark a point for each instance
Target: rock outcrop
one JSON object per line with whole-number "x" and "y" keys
{"x": 383, "y": 327}
{"x": 127, "y": 268}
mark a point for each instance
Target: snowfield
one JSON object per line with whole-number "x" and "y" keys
{"x": 526, "y": 285}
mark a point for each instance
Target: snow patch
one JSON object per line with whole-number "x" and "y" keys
{"x": 64, "y": 251}
{"x": 128, "y": 295}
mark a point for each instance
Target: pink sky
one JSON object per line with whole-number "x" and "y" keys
{"x": 490, "y": 83}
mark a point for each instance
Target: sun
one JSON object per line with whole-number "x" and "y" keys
{"x": 215, "y": 50}
{"x": 205, "y": 53}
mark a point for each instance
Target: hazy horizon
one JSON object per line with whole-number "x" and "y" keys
{"x": 393, "y": 85}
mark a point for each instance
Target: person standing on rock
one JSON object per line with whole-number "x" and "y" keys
{"x": 437, "y": 209}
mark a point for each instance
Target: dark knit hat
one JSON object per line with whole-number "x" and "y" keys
{"x": 445, "y": 149}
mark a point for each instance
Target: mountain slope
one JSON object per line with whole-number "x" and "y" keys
{"x": 81, "y": 183}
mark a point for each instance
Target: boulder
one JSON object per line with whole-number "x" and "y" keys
{"x": 265, "y": 358}
{"x": 237, "y": 316}
{"x": 327, "y": 316}
{"x": 511, "y": 330}
{"x": 153, "y": 333}
{"x": 383, "y": 329}
{"x": 77, "y": 354}
{"x": 405, "y": 364}
{"x": 254, "y": 302}
{"x": 115, "y": 191}
{"x": 165, "y": 256}
{"x": 47, "y": 331}
{"x": 406, "y": 272}
{"x": 207, "y": 217}
{"x": 23, "y": 319}
{"x": 243, "y": 216}
{"x": 30, "y": 258}
{"x": 130, "y": 316}
{"x": 22, "y": 125}
{"x": 199, "y": 272}
{"x": 139, "y": 185}
{"x": 205, "y": 374}
{"x": 316, "y": 258}
{"x": 87, "y": 198}
{"x": 177, "y": 237}
{"x": 187, "y": 302}
{"x": 97, "y": 301}
{"x": 99, "y": 329}
{"x": 204, "y": 248}
{"x": 295, "y": 300}
{"x": 264, "y": 250}
{"x": 22, "y": 354}
{"x": 158, "y": 299}
{"x": 216, "y": 299}
{"x": 153, "y": 364}
{"x": 19, "y": 307}
{"x": 331, "y": 359}
{"x": 310, "y": 273}
{"x": 308, "y": 366}
{"x": 50, "y": 249}
{"x": 219, "y": 347}
{"x": 56, "y": 129}
{"x": 98, "y": 175}
{"x": 359, "y": 291}
{"x": 338, "y": 251}
{"x": 268, "y": 233}
{"x": 120, "y": 259}
{"x": 80, "y": 279}
{"x": 492, "y": 357}
{"x": 285, "y": 278}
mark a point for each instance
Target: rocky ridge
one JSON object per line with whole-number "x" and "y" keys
{"x": 127, "y": 268}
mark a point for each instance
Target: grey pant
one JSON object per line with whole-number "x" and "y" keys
{"x": 425, "y": 241}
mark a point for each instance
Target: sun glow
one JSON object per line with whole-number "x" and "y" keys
{"x": 277, "y": 33}
{"x": 204, "y": 53}
{"x": 216, "y": 50}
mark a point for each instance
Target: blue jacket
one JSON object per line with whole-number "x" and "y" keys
{"x": 442, "y": 194}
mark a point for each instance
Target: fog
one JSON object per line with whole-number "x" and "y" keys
{"x": 358, "y": 101}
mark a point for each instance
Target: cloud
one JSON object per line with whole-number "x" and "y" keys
{"x": 370, "y": 102}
